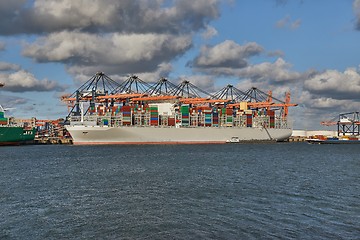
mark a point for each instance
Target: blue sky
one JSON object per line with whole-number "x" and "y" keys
{"x": 48, "y": 48}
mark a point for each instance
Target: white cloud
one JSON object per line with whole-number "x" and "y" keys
{"x": 22, "y": 81}
{"x": 276, "y": 72}
{"x": 4, "y": 66}
{"x": 226, "y": 54}
{"x": 121, "y": 52}
{"x": 209, "y": 32}
{"x": 286, "y": 22}
{"x": 163, "y": 70}
{"x": 335, "y": 84}
{"x": 206, "y": 83}
{"x": 145, "y": 16}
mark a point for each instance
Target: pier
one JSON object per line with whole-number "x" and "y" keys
{"x": 52, "y": 140}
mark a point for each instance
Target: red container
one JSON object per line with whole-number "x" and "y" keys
{"x": 229, "y": 111}
{"x": 171, "y": 121}
{"x": 272, "y": 122}
{"x": 126, "y": 108}
{"x": 248, "y": 120}
{"x": 270, "y": 113}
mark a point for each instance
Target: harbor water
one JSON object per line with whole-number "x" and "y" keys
{"x": 229, "y": 191}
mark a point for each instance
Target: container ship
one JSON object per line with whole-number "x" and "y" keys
{"x": 103, "y": 111}
{"x": 12, "y": 134}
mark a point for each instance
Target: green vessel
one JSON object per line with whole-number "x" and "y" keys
{"x": 12, "y": 134}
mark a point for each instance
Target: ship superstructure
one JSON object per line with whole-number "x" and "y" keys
{"x": 103, "y": 111}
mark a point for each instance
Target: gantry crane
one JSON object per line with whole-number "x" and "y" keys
{"x": 256, "y": 98}
{"x": 347, "y": 123}
{"x": 103, "y": 90}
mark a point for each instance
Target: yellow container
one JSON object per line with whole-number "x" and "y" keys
{"x": 243, "y": 106}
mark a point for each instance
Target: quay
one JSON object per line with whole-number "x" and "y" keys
{"x": 52, "y": 140}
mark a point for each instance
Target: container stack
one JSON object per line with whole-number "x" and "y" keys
{"x": 3, "y": 120}
{"x": 215, "y": 118}
{"x": 184, "y": 115}
{"x": 126, "y": 115}
{"x": 271, "y": 114}
{"x": 171, "y": 121}
{"x": 248, "y": 119}
{"x": 229, "y": 117}
{"x": 105, "y": 121}
{"x": 208, "y": 117}
{"x": 101, "y": 110}
{"x": 154, "y": 116}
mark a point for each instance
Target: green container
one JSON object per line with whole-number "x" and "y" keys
{"x": 184, "y": 109}
{"x": 105, "y": 121}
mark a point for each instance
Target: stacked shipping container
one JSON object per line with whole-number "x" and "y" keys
{"x": 204, "y": 116}
{"x": 3, "y": 119}
{"x": 154, "y": 116}
{"x": 126, "y": 115}
{"x": 184, "y": 110}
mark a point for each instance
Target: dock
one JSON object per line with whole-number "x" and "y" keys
{"x": 52, "y": 140}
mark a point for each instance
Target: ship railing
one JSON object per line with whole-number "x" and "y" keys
{"x": 13, "y": 125}
{"x": 144, "y": 121}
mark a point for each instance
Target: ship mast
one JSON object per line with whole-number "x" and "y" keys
{"x": 1, "y": 108}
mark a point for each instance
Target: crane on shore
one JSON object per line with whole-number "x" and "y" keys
{"x": 347, "y": 123}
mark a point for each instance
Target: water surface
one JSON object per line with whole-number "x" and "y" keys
{"x": 231, "y": 191}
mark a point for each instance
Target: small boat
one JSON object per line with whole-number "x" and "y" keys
{"x": 233, "y": 140}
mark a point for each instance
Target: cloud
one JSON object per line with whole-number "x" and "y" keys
{"x": 118, "y": 37}
{"x": 11, "y": 101}
{"x": 325, "y": 95}
{"x": 22, "y": 81}
{"x": 4, "y": 66}
{"x": 82, "y": 74}
{"x": 284, "y": 2}
{"x": 209, "y": 32}
{"x": 117, "y": 52}
{"x": 356, "y": 8}
{"x": 231, "y": 59}
{"x": 163, "y": 70}
{"x": 277, "y": 72}
{"x": 227, "y": 54}
{"x": 206, "y": 83}
{"x": 334, "y": 84}
{"x": 281, "y": 2}
{"x": 46, "y": 16}
{"x": 286, "y": 22}
{"x": 276, "y": 53}
{"x": 2, "y": 46}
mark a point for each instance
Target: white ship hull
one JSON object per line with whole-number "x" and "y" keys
{"x": 170, "y": 135}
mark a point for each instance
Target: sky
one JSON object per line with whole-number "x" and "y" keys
{"x": 48, "y": 48}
